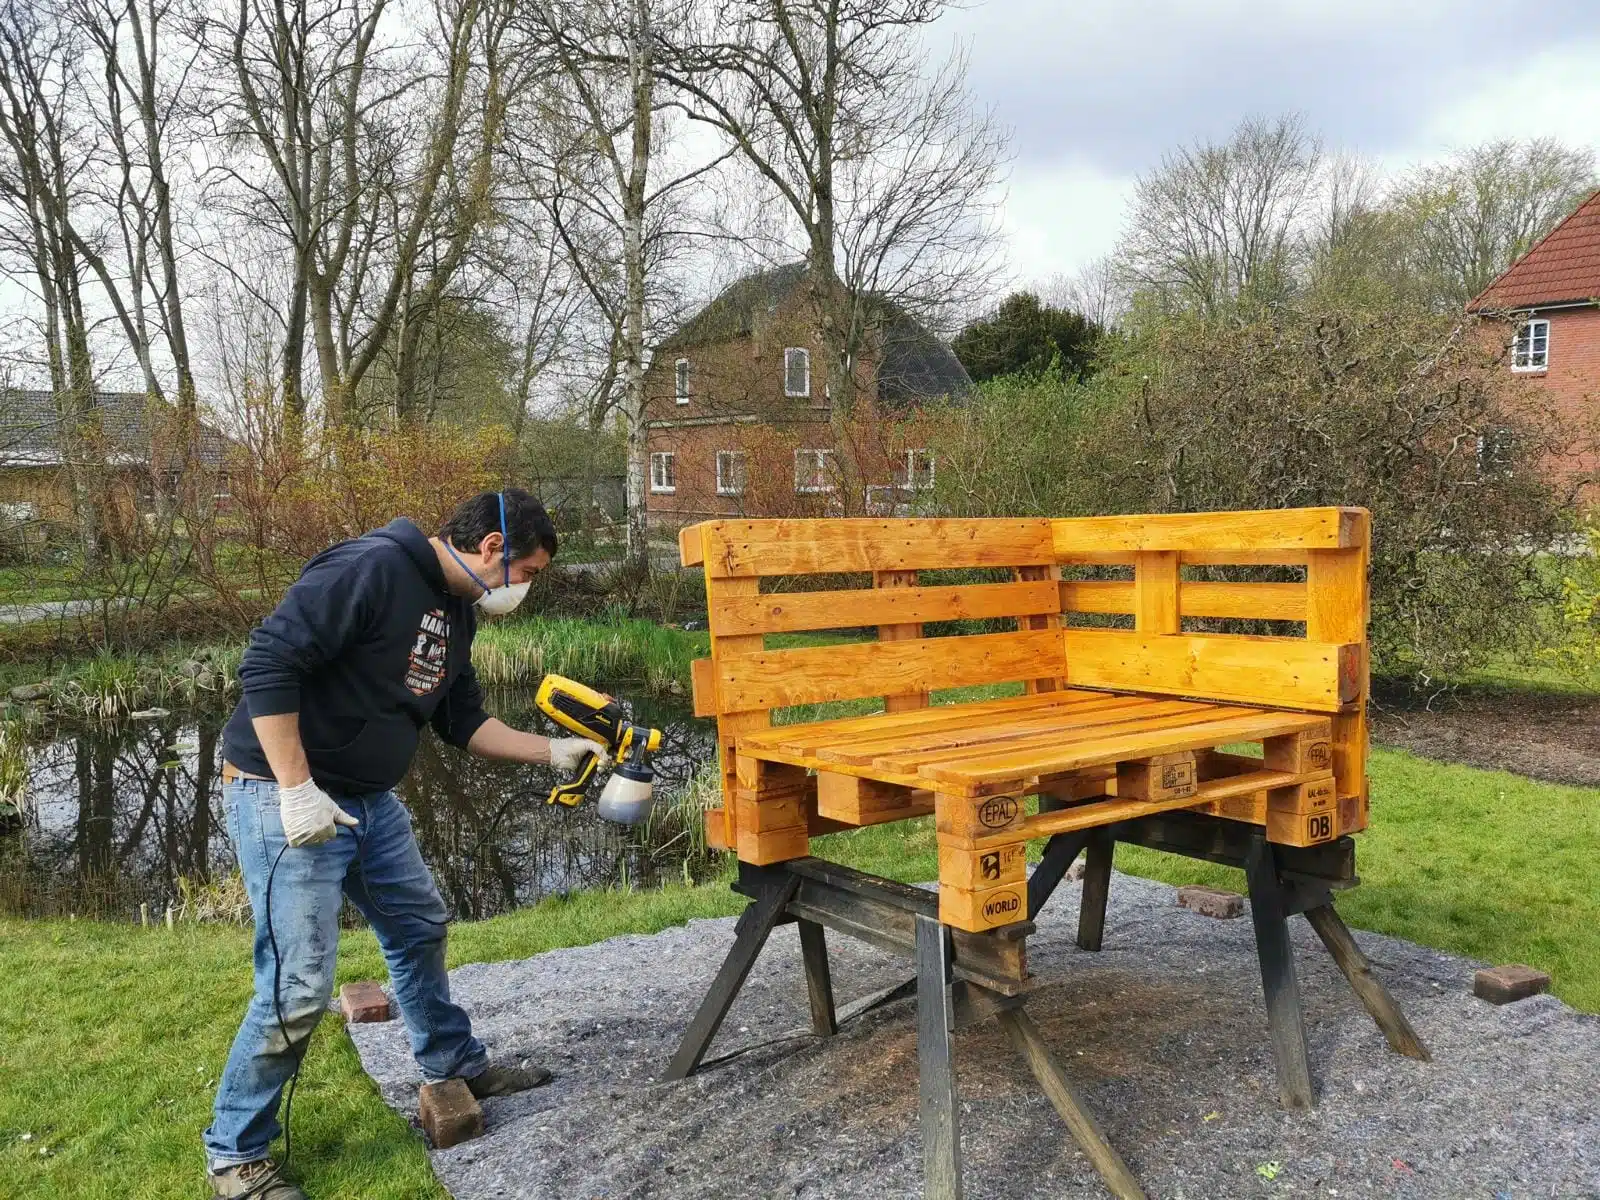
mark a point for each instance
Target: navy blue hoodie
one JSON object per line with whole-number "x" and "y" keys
{"x": 367, "y": 646}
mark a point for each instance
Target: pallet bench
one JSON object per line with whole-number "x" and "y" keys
{"x": 1141, "y": 701}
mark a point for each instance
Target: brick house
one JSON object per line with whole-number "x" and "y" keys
{"x": 741, "y": 422}
{"x": 35, "y": 488}
{"x": 1550, "y": 297}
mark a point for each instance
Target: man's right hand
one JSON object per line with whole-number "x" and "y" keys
{"x": 310, "y": 814}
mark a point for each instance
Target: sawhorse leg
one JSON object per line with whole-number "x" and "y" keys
{"x": 1373, "y": 995}
{"x": 1285, "y": 1020}
{"x": 1086, "y": 1131}
{"x": 939, "y": 1116}
{"x": 1059, "y": 853}
{"x": 755, "y": 926}
{"x": 1096, "y": 890}
{"x": 819, "y": 983}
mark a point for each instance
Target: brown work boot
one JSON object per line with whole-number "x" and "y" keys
{"x": 502, "y": 1081}
{"x": 258, "y": 1180}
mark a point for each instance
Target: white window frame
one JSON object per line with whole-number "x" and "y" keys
{"x": 911, "y": 470}
{"x": 737, "y": 485}
{"x": 822, "y": 459}
{"x": 1524, "y": 359}
{"x": 663, "y": 472}
{"x": 805, "y": 361}
{"x": 680, "y": 381}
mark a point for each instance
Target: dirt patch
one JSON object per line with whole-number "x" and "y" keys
{"x": 1544, "y": 736}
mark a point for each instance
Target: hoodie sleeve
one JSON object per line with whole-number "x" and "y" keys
{"x": 458, "y": 718}
{"x": 332, "y": 604}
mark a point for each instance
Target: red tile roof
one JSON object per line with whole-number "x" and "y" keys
{"x": 1562, "y": 267}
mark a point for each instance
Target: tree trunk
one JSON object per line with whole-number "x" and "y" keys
{"x": 641, "y": 73}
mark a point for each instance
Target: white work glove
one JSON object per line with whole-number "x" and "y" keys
{"x": 309, "y": 814}
{"x": 567, "y": 753}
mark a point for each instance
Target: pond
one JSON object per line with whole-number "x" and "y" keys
{"x": 121, "y": 816}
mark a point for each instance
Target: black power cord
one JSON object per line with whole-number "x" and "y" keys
{"x": 277, "y": 969}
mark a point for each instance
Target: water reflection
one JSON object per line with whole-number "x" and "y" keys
{"x": 116, "y": 818}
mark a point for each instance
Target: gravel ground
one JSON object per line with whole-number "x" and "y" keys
{"x": 1163, "y": 1032}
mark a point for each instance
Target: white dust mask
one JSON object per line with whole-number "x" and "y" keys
{"x": 501, "y": 600}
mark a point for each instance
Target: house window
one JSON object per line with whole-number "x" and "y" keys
{"x": 1531, "y": 349}
{"x": 681, "y": 381}
{"x": 796, "y": 371}
{"x": 663, "y": 473}
{"x": 919, "y": 470}
{"x": 730, "y": 472}
{"x": 224, "y": 487}
{"x": 813, "y": 470}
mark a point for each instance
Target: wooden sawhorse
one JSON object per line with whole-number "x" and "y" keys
{"x": 965, "y": 978}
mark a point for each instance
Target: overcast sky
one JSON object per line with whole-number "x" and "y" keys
{"x": 1095, "y": 92}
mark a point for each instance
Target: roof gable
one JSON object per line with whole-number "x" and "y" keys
{"x": 31, "y": 426}
{"x": 917, "y": 364}
{"x": 1563, "y": 267}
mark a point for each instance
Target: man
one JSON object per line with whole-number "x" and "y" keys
{"x": 372, "y": 642}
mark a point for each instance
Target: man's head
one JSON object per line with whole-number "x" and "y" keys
{"x": 474, "y": 532}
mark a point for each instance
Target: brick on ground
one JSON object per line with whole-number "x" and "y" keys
{"x": 1509, "y": 983}
{"x": 1211, "y": 902}
{"x": 450, "y": 1113}
{"x": 363, "y": 1002}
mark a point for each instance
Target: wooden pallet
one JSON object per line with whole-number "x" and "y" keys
{"x": 1113, "y": 724}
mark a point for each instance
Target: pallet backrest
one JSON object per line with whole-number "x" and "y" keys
{"x": 1157, "y": 649}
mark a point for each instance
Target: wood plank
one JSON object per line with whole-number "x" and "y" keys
{"x": 1245, "y": 601}
{"x": 1034, "y": 761}
{"x": 1047, "y": 616}
{"x": 850, "y": 544}
{"x": 733, "y": 721}
{"x": 1339, "y": 609}
{"x": 690, "y": 547}
{"x": 1155, "y": 718}
{"x": 795, "y": 612}
{"x": 775, "y": 678}
{"x": 1111, "y": 812}
{"x": 888, "y": 582}
{"x": 703, "y": 687}
{"x": 1292, "y": 672}
{"x": 938, "y": 716}
{"x": 868, "y": 802}
{"x": 1262, "y": 529}
{"x": 1155, "y": 591}
{"x": 1097, "y": 595}
{"x": 863, "y": 748}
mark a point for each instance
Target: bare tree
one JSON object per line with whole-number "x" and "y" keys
{"x": 1471, "y": 217}
{"x": 39, "y": 182}
{"x": 1217, "y": 224}
{"x": 1094, "y": 290}
{"x": 615, "y": 220}
{"x": 364, "y": 145}
{"x": 885, "y": 176}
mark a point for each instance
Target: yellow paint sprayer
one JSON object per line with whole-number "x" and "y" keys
{"x": 626, "y": 797}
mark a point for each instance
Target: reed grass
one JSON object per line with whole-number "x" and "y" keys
{"x": 521, "y": 653}
{"x": 110, "y": 686}
{"x": 13, "y": 768}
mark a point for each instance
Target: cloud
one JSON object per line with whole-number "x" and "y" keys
{"x": 1118, "y": 84}
{"x": 1096, "y": 94}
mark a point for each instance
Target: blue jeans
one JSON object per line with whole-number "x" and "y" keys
{"x": 377, "y": 864}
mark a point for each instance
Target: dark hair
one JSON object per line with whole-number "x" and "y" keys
{"x": 528, "y": 526}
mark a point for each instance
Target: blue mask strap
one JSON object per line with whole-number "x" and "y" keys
{"x": 486, "y": 588}
{"x": 505, "y": 540}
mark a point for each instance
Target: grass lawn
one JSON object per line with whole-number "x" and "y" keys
{"x": 114, "y": 1035}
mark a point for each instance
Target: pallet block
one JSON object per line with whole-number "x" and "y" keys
{"x": 974, "y": 870}
{"x": 964, "y": 817}
{"x": 988, "y": 908}
{"x": 1164, "y": 777}
{"x": 778, "y": 845}
{"x": 1307, "y": 753}
{"x": 858, "y": 801}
